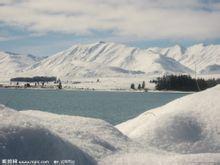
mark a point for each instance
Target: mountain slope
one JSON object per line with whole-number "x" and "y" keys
{"x": 106, "y": 60}
{"x": 12, "y": 63}
{"x": 200, "y": 56}
{"x": 211, "y": 69}
{"x": 113, "y": 60}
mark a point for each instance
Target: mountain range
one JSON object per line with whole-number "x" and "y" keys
{"x": 106, "y": 59}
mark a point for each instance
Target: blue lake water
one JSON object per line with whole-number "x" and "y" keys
{"x": 114, "y": 107}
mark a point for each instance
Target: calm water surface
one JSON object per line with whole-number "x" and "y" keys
{"x": 114, "y": 107}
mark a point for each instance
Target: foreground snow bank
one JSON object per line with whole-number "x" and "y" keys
{"x": 185, "y": 131}
{"x": 23, "y": 138}
{"x": 187, "y": 125}
{"x": 149, "y": 158}
{"x": 94, "y": 136}
{"x": 35, "y": 134}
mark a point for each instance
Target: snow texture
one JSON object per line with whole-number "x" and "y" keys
{"x": 94, "y": 136}
{"x": 185, "y": 131}
{"x": 186, "y": 125}
{"x": 23, "y": 138}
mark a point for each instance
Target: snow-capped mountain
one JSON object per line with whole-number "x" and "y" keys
{"x": 206, "y": 59}
{"x": 106, "y": 60}
{"x": 12, "y": 63}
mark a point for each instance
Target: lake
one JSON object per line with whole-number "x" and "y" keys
{"x": 114, "y": 107}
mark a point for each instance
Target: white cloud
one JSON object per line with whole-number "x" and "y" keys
{"x": 150, "y": 19}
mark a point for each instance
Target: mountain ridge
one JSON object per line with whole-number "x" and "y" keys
{"x": 108, "y": 59}
{"x": 79, "y": 60}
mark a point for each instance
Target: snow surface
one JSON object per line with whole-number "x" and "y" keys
{"x": 187, "y": 125}
{"x": 108, "y": 84}
{"x": 184, "y": 131}
{"x": 147, "y": 158}
{"x": 24, "y": 138}
{"x": 12, "y": 63}
{"x": 94, "y": 136}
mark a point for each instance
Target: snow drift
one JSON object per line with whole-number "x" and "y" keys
{"x": 185, "y": 131}
{"x": 24, "y": 134}
{"x": 187, "y": 125}
{"x": 23, "y": 139}
{"x": 94, "y": 136}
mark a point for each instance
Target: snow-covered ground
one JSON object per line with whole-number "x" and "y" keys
{"x": 185, "y": 131}
{"x": 108, "y": 84}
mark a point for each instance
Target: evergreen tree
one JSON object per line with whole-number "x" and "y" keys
{"x": 132, "y": 86}
{"x": 139, "y": 86}
{"x": 183, "y": 83}
{"x": 60, "y": 85}
{"x": 143, "y": 85}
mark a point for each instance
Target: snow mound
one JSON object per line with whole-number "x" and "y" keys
{"x": 22, "y": 138}
{"x": 94, "y": 136}
{"x": 187, "y": 125}
{"x": 161, "y": 159}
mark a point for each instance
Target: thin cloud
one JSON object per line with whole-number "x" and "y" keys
{"x": 150, "y": 19}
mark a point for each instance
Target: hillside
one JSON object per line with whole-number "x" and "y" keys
{"x": 13, "y": 63}
{"x": 206, "y": 58}
{"x": 111, "y": 60}
{"x": 106, "y": 60}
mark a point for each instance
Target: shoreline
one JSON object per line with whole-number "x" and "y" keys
{"x": 100, "y": 90}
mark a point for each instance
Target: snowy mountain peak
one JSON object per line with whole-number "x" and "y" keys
{"x": 108, "y": 59}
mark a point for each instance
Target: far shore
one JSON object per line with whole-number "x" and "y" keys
{"x": 93, "y": 89}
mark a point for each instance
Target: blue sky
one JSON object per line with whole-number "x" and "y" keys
{"x": 45, "y": 27}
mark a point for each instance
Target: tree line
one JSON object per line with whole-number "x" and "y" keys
{"x": 34, "y": 79}
{"x": 139, "y": 87}
{"x": 183, "y": 83}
